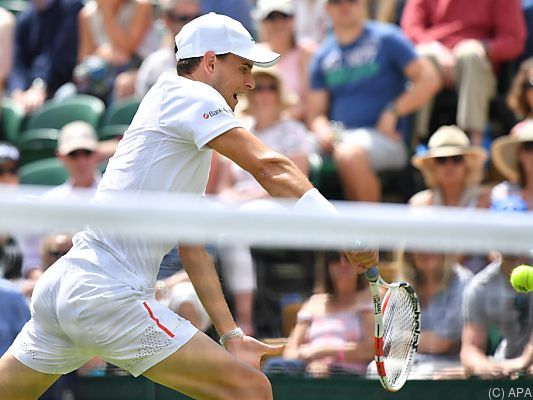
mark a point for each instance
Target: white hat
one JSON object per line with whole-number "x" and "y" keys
{"x": 221, "y": 34}
{"x": 77, "y": 135}
{"x": 265, "y": 7}
{"x": 9, "y": 152}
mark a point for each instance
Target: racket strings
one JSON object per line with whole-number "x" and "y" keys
{"x": 399, "y": 337}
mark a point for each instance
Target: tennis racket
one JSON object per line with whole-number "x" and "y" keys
{"x": 396, "y": 330}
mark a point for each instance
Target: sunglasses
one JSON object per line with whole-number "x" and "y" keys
{"x": 454, "y": 159}
{"x": 180, "y": 18}
{"x": 526, "y": 146}
{"x": 8, "y": 171}
{"x": 336, "y": 2}
{"x": 277, "y": 15}
{"x": 79, "y": 153}
{"x": 272, "y": 87}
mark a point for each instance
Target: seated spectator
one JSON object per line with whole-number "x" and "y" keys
{"x": 520, "y": 98}
{"x": 334, "y": 330}
{"x": 264, "y": 116}
{"x": 513, "y": 157}
{"x": 46, "y": 45}
{"x": 77, "y": 149}
{"x": 490, "y": 303}
{"x": 278, "y": 34}
{"x": 7, "y": 25}
{"x": 175, "y": 14}
{"x": 452, "y": 169}
{"x": 439, "y": 283}
{"x": 359, "y": 79}
{"x": 468, "y": 42}
{"x": 15, "y": 313}
{"x": 114, "y": 37}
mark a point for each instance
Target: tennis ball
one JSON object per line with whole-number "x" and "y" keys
{"x": 522, "y": 278}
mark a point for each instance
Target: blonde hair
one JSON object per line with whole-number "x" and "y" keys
{"x": 409, "y": 273}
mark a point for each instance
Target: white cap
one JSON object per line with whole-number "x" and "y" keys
{"x": 221, "y": 34}
{"x": 265, "y": 7}
{"x": 77, "y": 135}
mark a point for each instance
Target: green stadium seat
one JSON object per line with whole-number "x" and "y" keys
{"x": 14, "y": 6}
{"x": 37, "y": 144}
{"x": 56, "y": 114}
{"x": 111, "y": 131}
{"x": 49, "y": 172}
{"x": 121, "y": 113}
{"x": 12, "y": 117}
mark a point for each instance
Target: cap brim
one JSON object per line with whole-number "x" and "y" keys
{"x": 79, "y": 145}
{"x": 259, "y": 56}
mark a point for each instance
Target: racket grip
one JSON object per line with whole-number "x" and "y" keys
{"x": 372, "y": 274}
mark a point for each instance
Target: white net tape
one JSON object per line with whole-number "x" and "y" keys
{"x": 271, "y": 223}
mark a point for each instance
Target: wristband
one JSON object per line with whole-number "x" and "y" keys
{"x": 234, "y": 333}
{"x": 312, "y": 200}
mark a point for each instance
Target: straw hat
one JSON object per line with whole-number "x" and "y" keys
{"x": 450, "y": 141}
{"x": 505, "y": 149}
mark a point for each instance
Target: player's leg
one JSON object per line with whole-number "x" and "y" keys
{"x": 19, "y": 382}
{"x": 204, "y": 370}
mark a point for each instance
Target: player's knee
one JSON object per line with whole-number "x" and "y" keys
{"x": 254, "y": 385}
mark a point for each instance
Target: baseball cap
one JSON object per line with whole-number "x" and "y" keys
{"x": 221, "y": 34}
{"x": 265, "y": 7}
{"x": 77, "y": 135}
{"x": 9, "y": 152}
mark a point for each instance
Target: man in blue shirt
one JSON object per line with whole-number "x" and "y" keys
{"x": 359, "y": 79}
{"x": 46, "y": 46}
{"x": 15, "y": 313}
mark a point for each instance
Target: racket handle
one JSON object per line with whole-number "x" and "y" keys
{"x": 372, "y": 274}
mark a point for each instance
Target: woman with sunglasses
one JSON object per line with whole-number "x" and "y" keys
{"x": 277, "y": 32}
{"x": 452, "y": 170}
{"x": 513, "y": 157}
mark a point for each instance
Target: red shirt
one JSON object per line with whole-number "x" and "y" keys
{"x": 498, "y": 23}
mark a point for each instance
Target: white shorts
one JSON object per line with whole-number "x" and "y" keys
{"x": 384, "y": 153}
{"x": 78, "y": 313}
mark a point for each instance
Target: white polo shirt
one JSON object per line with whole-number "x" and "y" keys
{"x": 164, "y": 149}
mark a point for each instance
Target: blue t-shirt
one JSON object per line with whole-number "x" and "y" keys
{"x": 15, "y": 313}
{"x": 363, "y": 77}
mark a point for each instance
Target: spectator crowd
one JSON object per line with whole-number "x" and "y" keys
{"x": 426, "y": 102}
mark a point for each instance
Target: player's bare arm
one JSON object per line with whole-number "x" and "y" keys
{"x": 201, "y": 270}
{"x": 278, "y": 175}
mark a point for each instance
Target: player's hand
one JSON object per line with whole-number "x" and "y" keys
{"x": 251, "y": 350}
{"x": 363, "y": 259}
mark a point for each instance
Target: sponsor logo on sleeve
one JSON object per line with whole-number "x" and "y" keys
{"x": 216, "y": 112}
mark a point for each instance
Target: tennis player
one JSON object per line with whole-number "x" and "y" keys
{"x": 98, "y": 300}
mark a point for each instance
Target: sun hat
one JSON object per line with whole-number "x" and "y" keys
{"x": 286, "y": 98}
{"x": 221, "y": 34}
{"x": 266, "y": 7}
{"x": 447, "y": 141}
{"x": 505, "y": 149}
{"x": 77, "y": 135}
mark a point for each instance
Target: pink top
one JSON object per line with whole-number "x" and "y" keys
{"x": 498, "y": 22}
{"x": 340, "y": 327}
